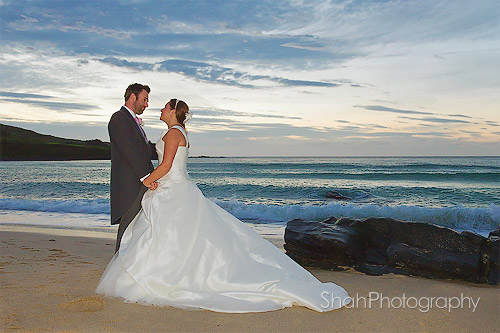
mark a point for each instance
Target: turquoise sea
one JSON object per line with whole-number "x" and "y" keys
{"x": 459, "y": 192}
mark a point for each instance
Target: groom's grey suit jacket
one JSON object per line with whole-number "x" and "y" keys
{"x": 130, "y": 161}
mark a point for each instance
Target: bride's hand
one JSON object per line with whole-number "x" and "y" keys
{"x": 152, "y": 186}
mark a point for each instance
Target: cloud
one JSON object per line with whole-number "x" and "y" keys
{"x": 392, "y": 110}
{"x": 427, "y": 119}
{"x": 360, "y": 125}
{"x": 25, "y": 24}
{"x": 101, "y": 31}
{"x": 297, "y": 137}
{"x": 295, "y": 33}
{"x": 213, "y": 73}
{"x": 203, "y": 71}
{"x": 204, "y": 116}
{"x": 310, "y": 47}
{"x": 492, "y": 123}
{"x": 22, "y": 95}
{"x": 373, "y": 23}
{"x": 349, "y": 128}
{"x": 56, "y": 23}
{"x": 262, "y": 131}
{"x": 303, "y": 83}
{"x": 125, "y": 63}
{"x": 431, "y": 134}
{"x": 56, "y": 106}
{"x": 211, "y": 120}
{"x": 439, "y": 120}
{"x": 460, "y": 115}
{"x": 376, "y": 126}
{"x": 221, "y": 112}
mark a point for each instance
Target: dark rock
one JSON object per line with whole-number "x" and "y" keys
{"x": 492, "y": 261}
{"x": 315, "y": 243}
{"x": 375, "y": 270}
{"x": 330, "y": 220}
{"x": 376, "y": 256}
{"x": 382, "y": 232}
{"x": 347, "y": 222}
{"x": 495, "y": 232}
{"x": 435, "y": 263}
{"x": 336, "y": 195}
{"x": 380, "y": 245}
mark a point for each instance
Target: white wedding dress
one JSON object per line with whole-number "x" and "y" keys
{"x": 183, "y": 250}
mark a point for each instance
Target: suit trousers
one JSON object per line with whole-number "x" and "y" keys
{"x": 129, "y": 216}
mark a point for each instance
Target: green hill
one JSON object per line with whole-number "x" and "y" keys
{"x": 18, "y": 144}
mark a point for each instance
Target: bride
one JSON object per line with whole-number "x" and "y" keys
{"x": 183, "y": 250}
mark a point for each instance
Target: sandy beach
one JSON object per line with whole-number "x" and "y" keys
{"x": 48, "y": 277}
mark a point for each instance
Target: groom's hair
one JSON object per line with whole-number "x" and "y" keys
{"x": 135, "y": 88}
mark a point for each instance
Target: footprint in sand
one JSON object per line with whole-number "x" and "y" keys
{"x": 58, "y": 253}
{"x": 84, "y": 304}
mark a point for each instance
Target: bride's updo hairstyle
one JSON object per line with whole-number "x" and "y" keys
{"x": 181, "y": 109}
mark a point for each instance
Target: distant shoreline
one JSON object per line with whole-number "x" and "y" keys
{"x": 205, "y": 156}
{"x": 18, "y": 144}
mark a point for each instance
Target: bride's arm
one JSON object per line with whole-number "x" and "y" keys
{"x": 171, "y": 141}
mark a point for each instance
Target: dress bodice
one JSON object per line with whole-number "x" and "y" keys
{"x": 178, "y": 171}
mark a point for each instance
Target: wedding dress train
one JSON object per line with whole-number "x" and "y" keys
{"x": 183, "y": 250}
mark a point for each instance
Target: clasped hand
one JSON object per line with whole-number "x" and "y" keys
{"x": 152, "y": 186}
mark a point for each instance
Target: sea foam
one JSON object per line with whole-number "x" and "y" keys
{"x": 97, "y": 206}
{"x": 456, "y": 217}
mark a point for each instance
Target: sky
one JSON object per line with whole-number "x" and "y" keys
{"x": 265, "y": 77}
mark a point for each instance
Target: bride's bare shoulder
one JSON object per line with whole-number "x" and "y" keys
{"x": 163, "y": 134}
{"x": 174, "y": 134}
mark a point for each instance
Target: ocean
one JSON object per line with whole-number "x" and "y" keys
{"x": 462, "y": 193}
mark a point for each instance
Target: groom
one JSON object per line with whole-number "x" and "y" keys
{"x": 130, "y": 158}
